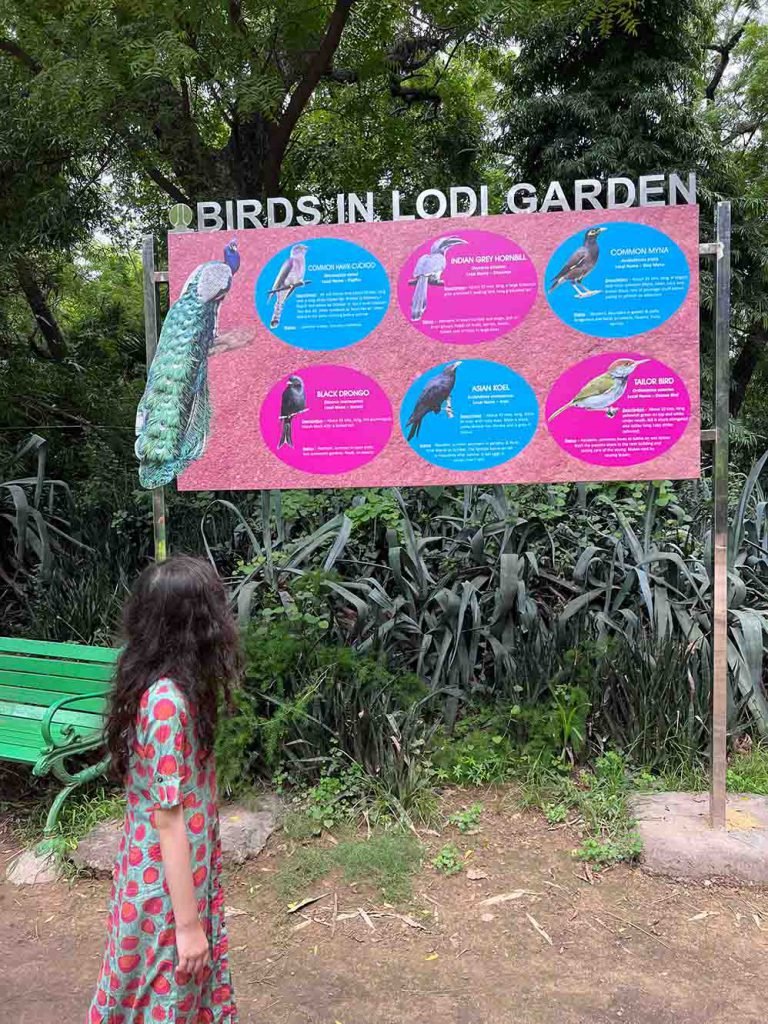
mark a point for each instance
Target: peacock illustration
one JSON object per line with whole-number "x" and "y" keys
{"x": 174, "y": 414}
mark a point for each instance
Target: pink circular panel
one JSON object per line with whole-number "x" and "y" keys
{"x": 326, "y": 419}
{"x": 618, "y": 409}
{"x": 467, "y": 287}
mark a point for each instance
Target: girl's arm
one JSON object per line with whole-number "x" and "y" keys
{"x": 191, "y": 941}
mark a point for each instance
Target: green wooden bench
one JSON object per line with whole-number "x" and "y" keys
{"x": 53, "y": 700}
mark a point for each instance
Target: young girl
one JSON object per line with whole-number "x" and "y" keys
{"x": 166, "y": 956}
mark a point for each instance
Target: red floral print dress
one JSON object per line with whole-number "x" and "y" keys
{"x": 138, "y": 983}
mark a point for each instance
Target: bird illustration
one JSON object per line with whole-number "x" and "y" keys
{"x": 437, "y": 392}
{"x": 174, "y": 415}
{"x": 429, "y": 270}
{"x": 579, "y": 264}
{"x": 294, "y": 401}
{"x": 290, "y": 276}
{"x": 604, "y": 391}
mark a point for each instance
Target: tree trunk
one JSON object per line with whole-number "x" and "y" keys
{"x": 55, "y": 345}
{"x": 745, "y": 364}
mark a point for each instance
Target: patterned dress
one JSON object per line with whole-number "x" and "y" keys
{"x": 138, "y": 983}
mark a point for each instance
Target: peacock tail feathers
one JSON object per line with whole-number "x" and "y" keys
{"x": 174, "y": 414}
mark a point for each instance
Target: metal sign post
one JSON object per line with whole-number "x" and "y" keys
{"x": 721, "y": 250}
{"x": 151, "y": 279}
{"x": 717, "y": 799}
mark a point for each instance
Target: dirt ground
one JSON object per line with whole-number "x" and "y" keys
{"x": 572, "y": 947}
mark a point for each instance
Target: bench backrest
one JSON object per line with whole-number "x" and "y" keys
{"x": 35, "y": 674}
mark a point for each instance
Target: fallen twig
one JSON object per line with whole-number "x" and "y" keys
{"x": 305, "y": 903}
{"x": 539, "y": 929}
{"x": 643, "y": 931}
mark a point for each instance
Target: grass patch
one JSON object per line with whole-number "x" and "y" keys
{"x": 748, "y": 773}
{"x": 82, "y": 813}
{"x": 598, "y": 802}
{"x": 385, "y": 862}
{"x": 449, "y": 860}
{"x": 84, "y": 809}
{"x": 468, "y": 819}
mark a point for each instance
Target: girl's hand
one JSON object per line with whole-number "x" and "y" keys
{"x": 193, "y": 951}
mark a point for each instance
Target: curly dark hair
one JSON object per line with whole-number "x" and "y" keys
{"x": 176, "y": 624}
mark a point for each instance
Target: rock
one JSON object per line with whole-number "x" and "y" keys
{"x": 678, "y": 841}
{"x": 98, "y": 850}
{"x": 33, "y": 868}
{"x": 244, "y": 833}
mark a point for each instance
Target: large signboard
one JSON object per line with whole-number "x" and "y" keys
{"x": 553, "y": 347}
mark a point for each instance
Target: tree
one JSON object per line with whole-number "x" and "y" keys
{"x": 204, "y": 96}
{"x": 578, "y": 103}
{"x": 737, "y": 103}
{"x": 48, "y": 201}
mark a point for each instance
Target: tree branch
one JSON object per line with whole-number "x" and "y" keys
{"x": 21, "y": 55}
{"x": 317, "y": 66}
{"x": 167, "y": 186}
{"x": 55, "y": 345}
{"x": 724, "y": 50}
{"x": 236, "y": 16}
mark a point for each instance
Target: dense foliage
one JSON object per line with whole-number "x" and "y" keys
{"x": 549, "y": 622}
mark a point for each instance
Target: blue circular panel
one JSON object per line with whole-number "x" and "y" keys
{"x": 322, "y": 294}
{"x": 469, "y": 414}
{"x": 617, "y": 280}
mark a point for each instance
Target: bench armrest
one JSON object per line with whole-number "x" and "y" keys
{"x": 55, "y": 755}
{"x": 50, "y": 714}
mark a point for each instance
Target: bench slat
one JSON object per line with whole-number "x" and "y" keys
{"x": 17, "y": 753}
{"x": 71, "y": 652}
{"x": 75, "y": 715}
{"x": 42, "y": 699}
{"x": 65, "y": 669}
{"x": 23, "y": 733}
{"x": 41, "y": 687}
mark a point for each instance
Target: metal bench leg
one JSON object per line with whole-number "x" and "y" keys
{"x": 71, "y": 783}
{"x": 46, "y": 845}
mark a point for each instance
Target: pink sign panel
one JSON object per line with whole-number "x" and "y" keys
{"x": 505, "y": 349}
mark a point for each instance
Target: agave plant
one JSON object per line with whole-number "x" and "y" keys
{"x": 37, "y": 513}
{"x": 481, "y": 590}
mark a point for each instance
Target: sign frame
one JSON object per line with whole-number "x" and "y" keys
{"x": 720, "y": 249}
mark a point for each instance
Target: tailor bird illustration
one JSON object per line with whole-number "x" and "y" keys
{"x": 429, "y": 270}
{"x": 579, "y": 264}
{"x": 174, "y": 415}
{"x": 294, "y": 402}
{"x": 436, "y": 393}
{"x": 602, "y": 393}
{"x": 289, "y": 277}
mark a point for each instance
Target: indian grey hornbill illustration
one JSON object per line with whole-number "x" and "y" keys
{"x": 604, "y": 391}
{"x": 290, "y": 276}
{"x": 579, "y": 264}
{"x": 294, "y": 401}
{"x": 174, "y": 414}
{"x": 436, "y": 393}
{"x": 429, "y": 270}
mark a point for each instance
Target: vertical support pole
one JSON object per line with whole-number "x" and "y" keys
{"x": 150, "y": 334}
{"x": 717, "y": 798}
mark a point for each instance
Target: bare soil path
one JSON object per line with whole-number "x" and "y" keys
{"x": 618, "y": 947}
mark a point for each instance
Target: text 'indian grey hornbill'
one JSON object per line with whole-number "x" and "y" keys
{"x": 429, "y": 270}
{"x": 294, "y": 401}
{"x": 604, "y": 391}
{"x": 579, "y": 264}
{"x": 174, "y": 415}
{"x": 290, "y": 276}
{"x": 437, "y": 392}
